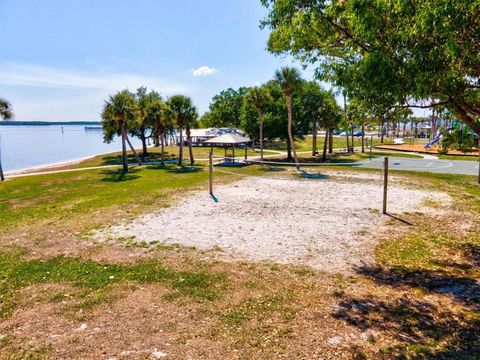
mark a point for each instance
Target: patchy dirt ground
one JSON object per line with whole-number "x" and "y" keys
{"x": 328, "y": 224}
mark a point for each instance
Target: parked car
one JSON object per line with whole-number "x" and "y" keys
{"x": 358, "y": 133}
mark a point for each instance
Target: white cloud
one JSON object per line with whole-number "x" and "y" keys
{"x": 204, "y": 71}
{"x": 49, "y": 77}
{"x": 54, "y": 94}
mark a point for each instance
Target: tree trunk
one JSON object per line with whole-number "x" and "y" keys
{"x": 289, "y": 150}
{"x": 260, "y": 122}
{"x": 162, "y": 151}
{"x": 382, "y": 129}
{"x": 348, "y": 141}
{"x": 363, "y": 138}
{"x": 434, "y": 123}
{"x": 330, "y": 142}
{"x": 180, "y": 152}
{"x": 314, "y": 139}
{"x": 290, "y": 134}
{"x": 2, "y": 177}
{"x": 324, "y": 155}
{"x": 404, "y": 129}
{"x": 189, "y": 141}
{"x": 353, "y": 142}
{"x": 133, "y": 150}
{"x": 124, "y": 146}
{"x": 156, "y": 138}
{"x": 144, "y": 147}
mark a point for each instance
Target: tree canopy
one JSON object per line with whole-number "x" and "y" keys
{"x": 225, "y": 108}
{"x": 389, "y": 52}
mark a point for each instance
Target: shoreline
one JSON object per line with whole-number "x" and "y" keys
{"x": 53, "y": 166}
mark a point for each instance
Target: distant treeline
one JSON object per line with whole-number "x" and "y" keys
{"x": 50, "y": 123}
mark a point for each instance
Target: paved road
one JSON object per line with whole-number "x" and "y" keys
{"x": 463, "y": 167}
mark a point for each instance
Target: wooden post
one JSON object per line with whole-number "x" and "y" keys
{"x": 478, "y": 158}
{"x": 211, "y": 172}
{"x": 385, "y": 184}
{"x": 246, "y": 150}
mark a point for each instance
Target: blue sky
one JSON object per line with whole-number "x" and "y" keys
{"x": 60, "y": 59}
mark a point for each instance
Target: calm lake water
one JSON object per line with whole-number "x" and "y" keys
{"x": 24, "y": 146}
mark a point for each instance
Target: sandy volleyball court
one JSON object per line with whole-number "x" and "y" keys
{"x": 328, "y": 224}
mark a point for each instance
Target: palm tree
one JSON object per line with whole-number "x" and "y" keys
{"x": 117, "y": 111}
{"x": 184, "y": 114}
{"x": 143, "y": 117}
{"x": 258, "y": 96}
{"x": 5, "y": 114}
{"x": 157, "y": 111}
{"x": 289, "y": 79}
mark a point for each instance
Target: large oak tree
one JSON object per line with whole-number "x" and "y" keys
{"x": 389, "y": 52}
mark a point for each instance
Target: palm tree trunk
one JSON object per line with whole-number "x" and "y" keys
{"x": 289, "y": 150}
{"x": 314, "y": 139}
{"x": 162, "y": 151}
{"x": 124, "y": 147}
{"x": 189, "y": 141}
{"x": 353, "y": 145}
{"x": 2, "y": 177}
{"x": 363, "y": 138}
{"x": 348, "y": 141}
{"x": 180, "y": 152}
{"x": 324, "y": 156}
{"x": 290, "y": 134}
{"x": 330, "y": 142}
{"x": 382, "y": 129}
{"x": 260, "y": 122}
{"x": 156, "y": 139}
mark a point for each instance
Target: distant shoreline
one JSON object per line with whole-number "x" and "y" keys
{"x": 48, "y": 123}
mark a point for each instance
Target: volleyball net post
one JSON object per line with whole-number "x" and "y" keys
{"x": 210, "y": 166}
{"x": 385, "y": 184}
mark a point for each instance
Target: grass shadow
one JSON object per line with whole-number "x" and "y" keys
{"x": 150, "y": 157}
{"x": 182, "y": 169}
{"x": 421, "y": 327}
{"x": 271, "y": 169}
{"x": 394, "y": 217}
{"x": 231, "y": 164}
{"x": 119, "y": 175}
{"x": 313, "y": 176}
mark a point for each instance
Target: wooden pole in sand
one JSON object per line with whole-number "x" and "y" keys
{"x": 478, "y": 159}
{"x": 385, "y": 184}
{"x": 210, "y": 158}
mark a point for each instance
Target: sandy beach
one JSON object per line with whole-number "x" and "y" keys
{"x": 326, "y": 224}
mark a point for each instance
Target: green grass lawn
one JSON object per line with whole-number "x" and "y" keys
{"x": 419, "y": 300}
{"x": 456, "y": 157}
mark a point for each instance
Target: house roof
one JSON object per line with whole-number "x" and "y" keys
{"x": 228, "y": 139}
